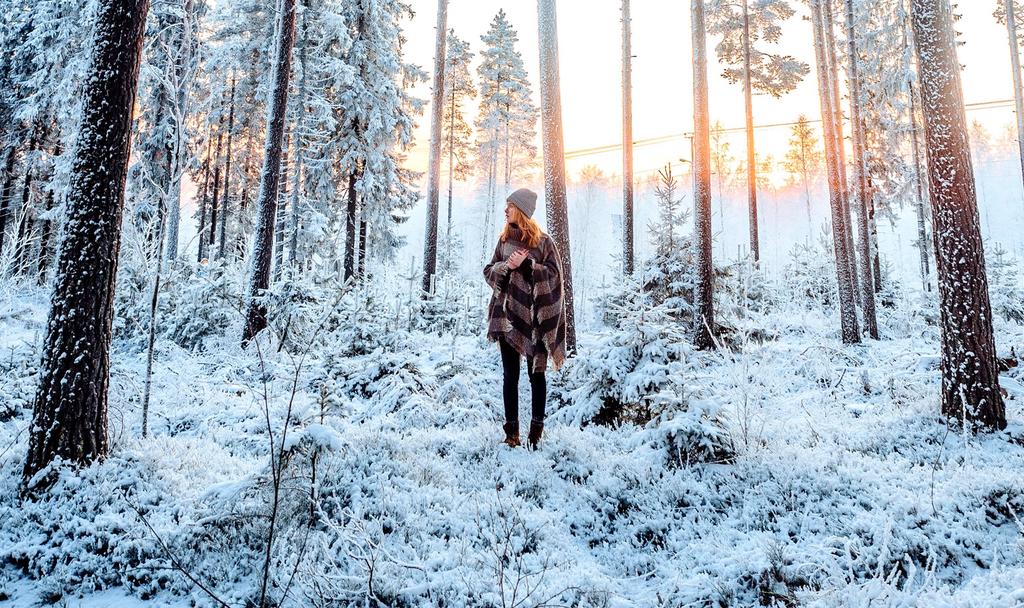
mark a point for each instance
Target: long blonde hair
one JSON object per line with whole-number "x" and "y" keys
{"x": 530, "y": 230}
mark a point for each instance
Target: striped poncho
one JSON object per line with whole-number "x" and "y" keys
{"x": 526, "y": 307}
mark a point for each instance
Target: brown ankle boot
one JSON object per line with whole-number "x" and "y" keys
{"x": 536, "y": 430}
{"x": 512, "y": 434}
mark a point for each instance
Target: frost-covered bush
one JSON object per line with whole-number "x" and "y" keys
{"x": 456, "y": 307}
{"x": 195, "y": 305}
{"x": 809, "y": 278}
{"x": 613, "y": 378}
{"x": 1004, "y": 285}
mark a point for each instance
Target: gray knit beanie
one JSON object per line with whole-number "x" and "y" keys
{"x": 525, "y": 199}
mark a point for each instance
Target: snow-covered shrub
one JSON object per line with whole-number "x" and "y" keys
{"x": 612, "y": 379}
{"x": 360, "y": 323}
{"x": 195, "y": 305}
{"x": 809, "y": 278}
{"x": 456, "y": 307}
{"x": 668, "y": 275}
{"x": 1004, "y": 285}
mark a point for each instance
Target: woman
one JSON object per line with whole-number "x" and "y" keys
{"x": 525, "y": 316}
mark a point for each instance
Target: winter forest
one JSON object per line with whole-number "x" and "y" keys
{"x": 271, "y": 272}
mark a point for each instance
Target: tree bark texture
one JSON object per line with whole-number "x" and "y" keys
{"x": 434, "y": 160}
{"x": 867, "y": 281}
{"x": 69, "y": 418}
{"x": 970, "y": 377}
{"x": 748, "y": 101}
{"x": 627, "y": 141}
{"x": 704, "y": 294}
{"x": 844, "y": 265}
{"x": 554, "y": 156}
{"x": 266, "y": 204}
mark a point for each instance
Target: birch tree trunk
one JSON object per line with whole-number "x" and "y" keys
{"x": 69, "y": 417}
{"x": 704, "y": 295}
{"x": 970, "y": 377}
{"x": 266, "y": 204}
{"x": 554, "y": 156}
{"x": 434, "y": 161}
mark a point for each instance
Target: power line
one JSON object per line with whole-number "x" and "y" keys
{"x": 650, "y": 141}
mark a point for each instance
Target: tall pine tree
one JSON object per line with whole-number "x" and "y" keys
{"x": 69, "y": 418}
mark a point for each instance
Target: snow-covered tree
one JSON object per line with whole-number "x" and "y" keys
{"x": 69, "y": 419}
{"x": 627, "y": 140}
{"x": 704, "y": 294}
{"x": 554, "y": 156}
{"x": 803, "y": 160}
{"x": 47, "y": 46}
{"x": 1009, "y": 12}
{"x": 970, "y": 376}
{"x": 860, "y": 176}
{"x": 833, "y": 164}
{"x": 742, "y": 26}
{"x": 170, "y": 62}
{"x": 507, "y": 119}
{"x": 375, "y": 117}
{"x": 270, "y": 175}
{"x": 434, "y": 155}
{"x": 456, "y": 132}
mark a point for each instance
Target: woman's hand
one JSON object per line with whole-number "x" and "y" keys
{"x": 517, "y": 258}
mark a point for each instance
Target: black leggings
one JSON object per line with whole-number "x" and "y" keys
{"x": 510, "y": 385}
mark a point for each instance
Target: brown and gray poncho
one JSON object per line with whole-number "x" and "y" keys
{"x": 526, "y": 307}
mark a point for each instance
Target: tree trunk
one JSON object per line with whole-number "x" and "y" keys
{"x": 837, "y": 116}
{"x": 226, "y": 206}
{"x": 266, "y": 204}
{"x": 970, "y": 378}
{"x": 434, "y": 161}
{"x": 69, "y": 417}
{"x": 748, "y": 100}
{"x": 214, "y": 205}
{"x": 151, "y": 340}
{"x": 844, "y": 265}
{"x": 1018, "y": 92}
{"x": 867, "y": 282}
{"x": 282, "y": 204}
{"x": 363, "y": 229}
{"x": 627, "y": 141}
{"x": 204, "y": 199}
{"x": 293, "y": 245}
{"x": 350, "y": 226}
{"x": 24, "y": 216}
{"x": 6, "y": 193}
{"x": 46, "y": 231}
{"x": 45, "y": 234}
{"x": 451, "y": 184}
{"x": 919, "y": 203}
{"x": 554, "y": 156}
{"x": 704, "y": 294}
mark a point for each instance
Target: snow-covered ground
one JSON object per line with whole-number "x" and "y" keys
{"x": 841, "y": 486}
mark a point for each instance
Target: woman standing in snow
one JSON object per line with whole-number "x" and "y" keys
{"x": 526, "y": 316}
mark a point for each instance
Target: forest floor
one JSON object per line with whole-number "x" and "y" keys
{"x": 844, "y": 487}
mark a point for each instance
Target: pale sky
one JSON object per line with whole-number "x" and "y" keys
{"x": 590, "y": 62}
